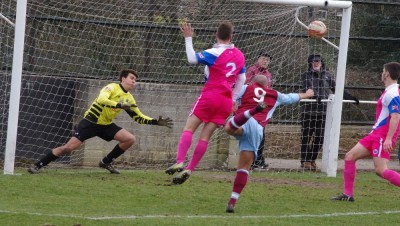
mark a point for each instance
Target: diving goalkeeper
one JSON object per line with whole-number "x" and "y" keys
{"x": 97, "y": 121}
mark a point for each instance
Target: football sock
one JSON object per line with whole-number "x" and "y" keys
{"x": 115, "y": 153}
{"x": 184, "y": 145}
{"x": 240, "y": 119}
{"x": 46, "y": 160}
{"x": 238, "y": 185}
{"x": 392, "y": 176}
{"x": 198, "y": 153}
{"x": 349, "y": 174}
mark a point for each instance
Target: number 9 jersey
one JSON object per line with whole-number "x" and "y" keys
{"x": 251, "y": 95}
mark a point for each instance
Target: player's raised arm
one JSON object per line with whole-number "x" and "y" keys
{"x": 187, "y": 32}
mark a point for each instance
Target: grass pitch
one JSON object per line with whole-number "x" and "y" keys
{"x": 147, "y": 197}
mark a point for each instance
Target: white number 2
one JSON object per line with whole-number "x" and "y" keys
{"x": 233, "y": 68}
{"x": 259, "y": 93}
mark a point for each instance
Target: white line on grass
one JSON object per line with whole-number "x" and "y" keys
{"x": 230, "y": 216}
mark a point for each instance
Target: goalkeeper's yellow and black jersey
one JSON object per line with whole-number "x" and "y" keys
{"x": 104, "y": 108}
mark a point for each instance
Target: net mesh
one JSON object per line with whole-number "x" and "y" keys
{"x": 74, "y": 48}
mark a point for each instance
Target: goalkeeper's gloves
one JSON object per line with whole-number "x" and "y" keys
{"x": 165, "y": 122}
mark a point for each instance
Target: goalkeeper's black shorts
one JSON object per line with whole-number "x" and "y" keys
{"x": 86, "y": 129}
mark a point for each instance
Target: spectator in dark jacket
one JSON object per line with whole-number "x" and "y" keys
{"x": 313, "y": 113}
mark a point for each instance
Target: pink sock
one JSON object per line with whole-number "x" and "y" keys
{"x": 392, "y": 176}
{"x": 198, "y": 153}
{"x": 349, "y": 175}
{"x": 238, "y": 184}
{"x": 184, "y": 145}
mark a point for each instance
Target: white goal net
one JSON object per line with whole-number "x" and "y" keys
{"x": 73, "y": 48}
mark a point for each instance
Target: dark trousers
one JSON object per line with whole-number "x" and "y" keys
{"x": 260, "y": 152}
{"x": 312, "y": 136}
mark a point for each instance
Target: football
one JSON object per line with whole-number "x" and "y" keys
{"x": 316, "y": 29}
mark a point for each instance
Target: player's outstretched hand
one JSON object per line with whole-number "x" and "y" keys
{"x": 165, "y": 122}
{"x": 310, "y": 93}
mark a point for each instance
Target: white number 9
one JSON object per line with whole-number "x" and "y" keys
{"x": 259, "y": 93}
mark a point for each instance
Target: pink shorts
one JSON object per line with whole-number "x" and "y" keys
{"x": 374, "y": 144}
{"x": 212, "y": 108}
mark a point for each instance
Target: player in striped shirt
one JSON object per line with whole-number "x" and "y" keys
{"x": 257, "y": 104}
{"x": 97, "y": 121}
{"x": 225, "y": 67}
{"x": 380, "y": 141}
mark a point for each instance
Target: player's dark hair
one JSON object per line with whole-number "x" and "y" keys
{"x": 394, "y": 70}
{"x": 225, "y": 31}
{"x": 125, "y": 72}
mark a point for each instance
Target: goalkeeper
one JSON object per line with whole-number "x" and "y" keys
{"x": 97, "y": 121}
{"x": 257, "y": 104}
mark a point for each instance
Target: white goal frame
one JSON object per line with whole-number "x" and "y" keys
{"x": 16, "y": 78}
{"x": 334, "y": 111}
{"x": 333, "y": 120}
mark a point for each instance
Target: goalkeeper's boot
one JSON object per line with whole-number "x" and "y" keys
{"x": 108, "y": 167}
{"x": 230, "y": 208}
{"x": 33, "y": 169}
{"x": 181, "y": 177}
{"x": 343, "y": 197}
{"x": 177, "y": 167}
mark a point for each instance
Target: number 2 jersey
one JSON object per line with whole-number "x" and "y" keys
{"x": 223, "y": 65}
{"x": 251, "y": 95}
{"x": 388, "y": 103}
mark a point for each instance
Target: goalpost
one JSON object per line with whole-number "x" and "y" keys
{"x": 68, "y": 50}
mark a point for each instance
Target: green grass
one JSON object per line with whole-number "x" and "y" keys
{"x": 94, "y": 197}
